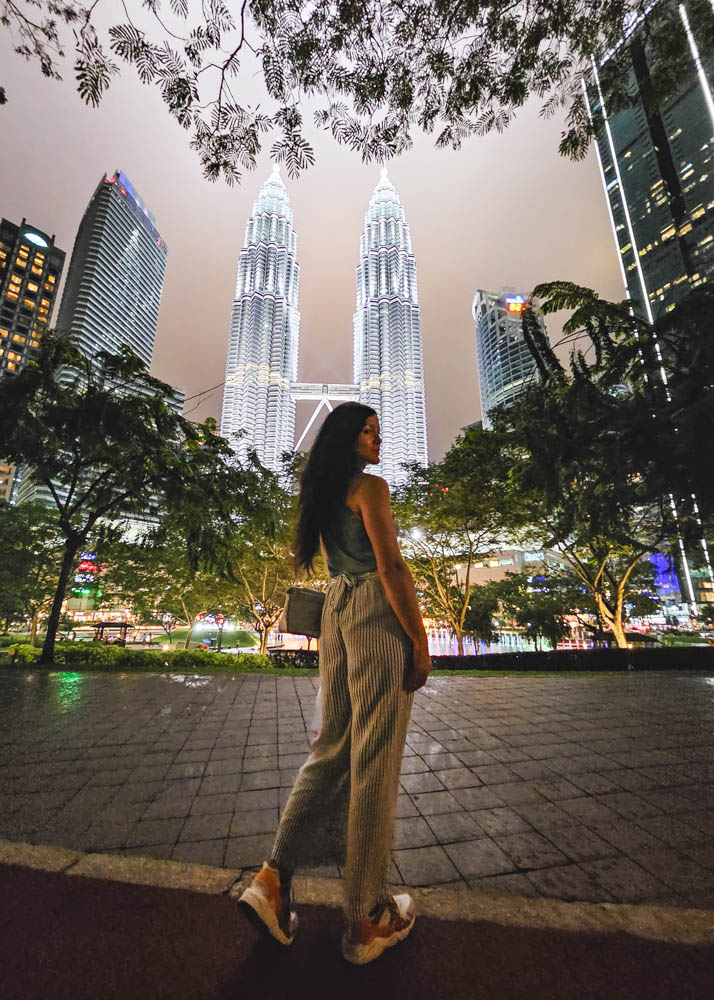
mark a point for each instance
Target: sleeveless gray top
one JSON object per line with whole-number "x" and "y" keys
{"x": 347, "y": 544}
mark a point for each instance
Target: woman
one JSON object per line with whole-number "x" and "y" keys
{"x": 373, "y": 656}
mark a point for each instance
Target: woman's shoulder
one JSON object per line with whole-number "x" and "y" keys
{"x": 367, "y": 487}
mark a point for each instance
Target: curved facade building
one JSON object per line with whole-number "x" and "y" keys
{"x": 116, "y": 275}
{"x": 505, "y": 365}
{"x": 388, "y": 366}
{"x": 258, "y": 411}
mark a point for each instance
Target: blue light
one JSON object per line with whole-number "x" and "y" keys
{"x": 34, "y": 238}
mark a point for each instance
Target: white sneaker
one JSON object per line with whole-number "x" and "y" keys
{"x": 265, "y": 900}
{"x": 366, "y": 940}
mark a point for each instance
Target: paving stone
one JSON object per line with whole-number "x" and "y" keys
{"x": 475, "y": 858}
{"x": 441, "y": 761}
{"x": 528, "y": 770}
{"x": 517, "y": 792}
{"x": 204, "y": 805}
{"x": 596, "y": 784}
{"x": 676, "y": 870}
{"x": 509, "y": 755}
{"x": 159, "y": 852}
{"x": 248, "y": 852}
{"x": 106, "y": 836}
{"x": 451, "y": 827}
{"x": 405, "y": 807}
{"x": 170, "y": 807}
{"x": 147, "y": 773}
{"x": 194, "y": 770}
{"x": 260, "y": 779}
{"x": 155, "y": 831}
{"x": 500, "y": 821}
{"x": 425, "y": 866}
{"x": 477, "y": 798}
{"x": 580, "y": 844}
{"x": 431, "y": 803}
{"x": 413, "y": 765}
{"x": 629, "y": 805}
{"x": 459, "y": 777}
{"x": 209, "y": 826}
{"x": 475, "y": 758}
{"x": 544, "y": 816}
{"x": 426, "y": 782}
{"x": 519, "y": 884}
{"x": 264, "y": 798}
{"x": 626, "y": 881}
{"x": 530, "y": 850}
{"x": 554, "y": 789}
{"x": 412, "y": 831}
{"x": 201, "y": 852}
{"x": 569, "y": 882}
{"x": 219, "y": 784}
{"x": 495, "y": 774}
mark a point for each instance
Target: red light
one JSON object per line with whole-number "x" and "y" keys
{"x": 123, "y": 191}
{"x": 516, "y": 307}
{"x": 108, "y": 180}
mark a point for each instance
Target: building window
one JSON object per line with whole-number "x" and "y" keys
{"x": 13, "y": 356}
{"x": 32, "y": 286}
{"x": 29, "y": 303}
{"x": 18, "y": 339}
{"x": 12, "y": 295}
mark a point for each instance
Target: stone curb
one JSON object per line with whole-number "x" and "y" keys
{"x": 657, "y": 923}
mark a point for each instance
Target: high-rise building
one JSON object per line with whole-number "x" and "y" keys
{"x": 258, "y": 410}
{"x": 505, "y": 365}
{"x": 116, "y": 274}
{"x": 388, "y": 366}
{"x": 657, "y": 163}
{"x": 30, "y": 270}
{"x": 657, "y": 166}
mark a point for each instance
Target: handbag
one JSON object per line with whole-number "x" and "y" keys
{"x": 302, "y": 613}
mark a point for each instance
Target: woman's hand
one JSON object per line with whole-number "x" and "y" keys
{"x": 418, "y": 673}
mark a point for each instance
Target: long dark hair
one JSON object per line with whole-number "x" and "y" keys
{"x": 326, "y": 478}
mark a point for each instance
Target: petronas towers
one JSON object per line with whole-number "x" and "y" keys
{"x": 261, "y": 369}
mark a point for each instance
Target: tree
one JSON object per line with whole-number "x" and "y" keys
{"x": 480, "y": 614}
{"x": 101, "y": 437}
{"x": 582, "y": 445}
{"x": 444, "y": 525}
{"x": 378, "y": 69}
{"x": 537, "y": 605}
{"x": 262, "y": 564}
{"x": 157, "y": 578}
{"x": 31, "y": 548}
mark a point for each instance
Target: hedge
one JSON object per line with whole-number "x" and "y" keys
{"x": 99, "y": 656}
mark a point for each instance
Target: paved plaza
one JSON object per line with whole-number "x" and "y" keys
{"x": 593, "y": 787}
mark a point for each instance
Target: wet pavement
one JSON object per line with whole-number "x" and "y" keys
{"x": 589, "y": 787}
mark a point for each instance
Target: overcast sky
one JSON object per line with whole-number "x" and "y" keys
{"x": 504, "y": 212}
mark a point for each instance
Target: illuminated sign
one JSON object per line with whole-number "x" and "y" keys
{"x": 84, "y": 578}
{"x": 87, "y": 567}
{"x": 34, "y": 238}
{"x": 515, "y": 303}
{"x": 88, "y": 555}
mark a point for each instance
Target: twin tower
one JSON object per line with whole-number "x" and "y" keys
{"x": 262, "y": 385}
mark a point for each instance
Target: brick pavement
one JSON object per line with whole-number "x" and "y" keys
{"x": 592, "y": 787}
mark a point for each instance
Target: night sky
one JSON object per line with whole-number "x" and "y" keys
{"x": 504, "y": 212}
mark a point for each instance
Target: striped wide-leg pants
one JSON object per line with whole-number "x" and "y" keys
{"x": 342, "y": 805}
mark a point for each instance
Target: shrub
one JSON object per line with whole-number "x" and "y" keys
{"x": 294, "y": 659}
{"x": 19, "y": 638}
{"x": 24, "y": 653}
{"x": 202, "y": 660}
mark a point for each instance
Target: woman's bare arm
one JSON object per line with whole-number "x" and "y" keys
{"x": 372, "y": 500}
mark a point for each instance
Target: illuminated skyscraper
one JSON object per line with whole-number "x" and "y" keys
{"x": 505, "y": 365}
{"x": 116, "y": 274}
{"x": 388, "y": 367}
{"x": 265, "y": 324}
{"x": 30, "y": 270}
{"x": 657, "y": 164}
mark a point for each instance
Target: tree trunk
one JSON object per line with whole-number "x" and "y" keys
{"x": 33, "y": 627}
{"x": 264, "y": 640}
{"x": 47, "y": 656}
{"x": 189, "y": 634}
{"x": 460, "y": 641}
{"x": 613, "y": 622}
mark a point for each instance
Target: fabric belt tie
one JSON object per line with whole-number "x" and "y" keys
{"x": 345, "y": 583}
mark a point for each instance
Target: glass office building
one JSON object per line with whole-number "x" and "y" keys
{"x": 388, "y": 366}
{"x": 504, "y": 363}
{"x": 116, "y": 275}
{"x": 657, "y": 164}
{"x": 30, "y": 270}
